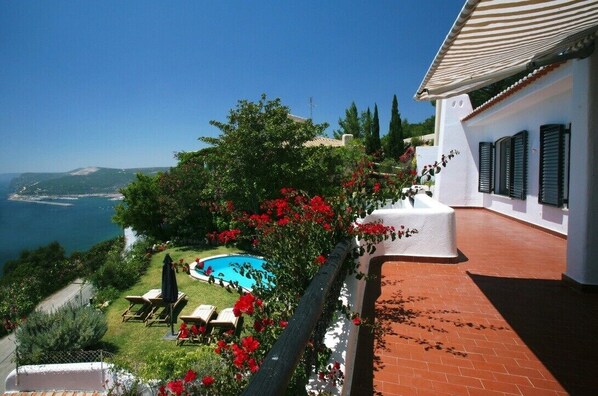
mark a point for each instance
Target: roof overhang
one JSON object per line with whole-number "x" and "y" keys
{"x": 495, "y": 39}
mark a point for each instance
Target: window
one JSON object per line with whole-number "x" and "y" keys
{"x": 485, "y": 183}
{"x": 503, "y": 166}
{"x": 554, "y": 165}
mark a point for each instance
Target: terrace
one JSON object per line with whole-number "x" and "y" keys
{"x": 498, "y": 322}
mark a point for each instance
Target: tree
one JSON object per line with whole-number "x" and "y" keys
{"x": 140, "y": 208}
{"x": 366, "y": 126}
{"x": 260, "y": 150}
{"x": 376, "y": 143}
{"x": 395, "y": 146}
{"x": 482, "y": 95}
{"x": 184, "y": 197}
{"x": 350, "y": 124}
{"x": 418, "y": 129}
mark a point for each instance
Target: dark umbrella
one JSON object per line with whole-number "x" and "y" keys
{"x": 170, "y": 290}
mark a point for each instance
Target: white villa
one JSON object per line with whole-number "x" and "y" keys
{"x": 531, "y": 152}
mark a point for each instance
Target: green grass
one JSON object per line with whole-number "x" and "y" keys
{"x": 133, "y": 341}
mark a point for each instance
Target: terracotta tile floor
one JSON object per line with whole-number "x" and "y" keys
{"x": 499, "y": 322}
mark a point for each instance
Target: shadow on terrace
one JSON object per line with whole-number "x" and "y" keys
{"x": 557, "y": 323}
{"x": 498, "y": 322}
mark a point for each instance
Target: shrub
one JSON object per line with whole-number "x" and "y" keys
{"x": 17, "y": 300}
{"x": 121, "y": 271}
{"x": 167, "y": 364}
{"x": 67, "y": 329}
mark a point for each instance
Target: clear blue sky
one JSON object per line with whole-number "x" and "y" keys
{"x": 127, "y": 84}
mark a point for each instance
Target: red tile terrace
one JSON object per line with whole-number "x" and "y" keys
{"x": 498, "y": 322}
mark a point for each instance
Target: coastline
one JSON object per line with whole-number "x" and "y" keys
{"x": 48, "y": 199}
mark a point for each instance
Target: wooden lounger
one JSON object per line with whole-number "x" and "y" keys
{"x": 226, "y": 320}
{"x": 199, "y": 317}
{"x": 160, "y": 311}
{"x": 139, "y": 306}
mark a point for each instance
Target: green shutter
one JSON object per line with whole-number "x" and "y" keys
{"x": 552, "y": 165}
{"x": 518, "y": 168}
{"x": 486, "y": 167}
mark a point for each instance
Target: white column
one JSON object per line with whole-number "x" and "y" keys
{"x": 582, "y": 242}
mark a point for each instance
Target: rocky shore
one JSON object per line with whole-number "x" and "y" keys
{"x": 51, "y": 199}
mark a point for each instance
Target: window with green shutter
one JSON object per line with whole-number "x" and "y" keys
{"x": 486, "y": 167}
{"x": 518, "y": 170}
{"x": 554, "y": 165}
{"x": 503, "y": 166}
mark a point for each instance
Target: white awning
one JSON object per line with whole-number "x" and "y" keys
{"x": 495, "y": 39}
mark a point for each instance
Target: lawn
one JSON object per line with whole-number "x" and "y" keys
{"x": 133, "y": 341}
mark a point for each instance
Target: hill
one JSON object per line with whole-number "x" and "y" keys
{"x": 81, "y": 181}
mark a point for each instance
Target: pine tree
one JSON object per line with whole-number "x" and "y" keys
{"x": 395, "y": 132}
{"x": 366, "y": 128}
{"x": 376, "y": 143}
{"x": 350, "y": 124}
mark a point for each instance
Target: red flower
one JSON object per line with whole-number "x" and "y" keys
{"x": 253, "y": 366}
{"x": 320, "y": 260}
{"x": 376, "y": 187}
{"x": 190, "y": 376}
{"x": 245, "y": 304}
{"x": 176, "y": 387}
{"x": 283, "y": 323}
{"x": 357, "y": 320}
{"x": 250, "y": 344}
{"x": 162, "y": 391}
{"x": 207, "y": 381}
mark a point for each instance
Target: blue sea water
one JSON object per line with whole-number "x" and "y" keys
{"x": 27, "y": 225}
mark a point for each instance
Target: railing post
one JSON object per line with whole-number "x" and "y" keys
{"x": 277, "y": 369}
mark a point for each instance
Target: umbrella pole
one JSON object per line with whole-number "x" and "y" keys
{"x": 171, "y": 320}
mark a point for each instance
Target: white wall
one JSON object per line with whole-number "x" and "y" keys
{"x": 455, "y": 184}
{"x": 545, "y": 101}
{"x": 425, "y": 155}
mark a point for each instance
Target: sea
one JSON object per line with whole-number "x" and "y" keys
{"x": 77, "y": 224}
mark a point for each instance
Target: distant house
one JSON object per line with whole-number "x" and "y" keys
{"x": 531, "y": 152}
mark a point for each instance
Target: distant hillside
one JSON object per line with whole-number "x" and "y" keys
{"x": 82, "y": 181}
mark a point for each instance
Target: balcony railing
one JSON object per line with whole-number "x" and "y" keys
{"x": 277, "y": 369}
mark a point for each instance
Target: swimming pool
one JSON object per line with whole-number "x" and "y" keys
{"x": 223, "y": 268}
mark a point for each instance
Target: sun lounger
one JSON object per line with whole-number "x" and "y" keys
{"x": 198, "y": 319}
{"x": 139, "y": 306}
{"x": 226, "y": 320}
{"x": 160, "y": 311}
{"x": 201, "y": 315}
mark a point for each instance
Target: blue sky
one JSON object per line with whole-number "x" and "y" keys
{"x": 126, "y": 84}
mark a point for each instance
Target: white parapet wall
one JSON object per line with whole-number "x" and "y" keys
{"x": 93, "y": 377}
{"x": 434, "y": 222}
{"x": 47, "y": 377}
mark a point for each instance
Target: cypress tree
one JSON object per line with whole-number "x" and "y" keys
{"x": 366, "y": 127}
{"x": 376, "y": 143}
{"x": 395, "y": 132}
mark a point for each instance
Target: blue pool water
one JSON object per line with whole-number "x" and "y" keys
{"x": 224, "y": 269}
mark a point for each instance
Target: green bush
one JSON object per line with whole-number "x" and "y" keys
{"x": 17, "y": 300}
{"x": 67, "y": 329}
{"x": 120, "y": 271}
{"x": 167, "y": 364}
